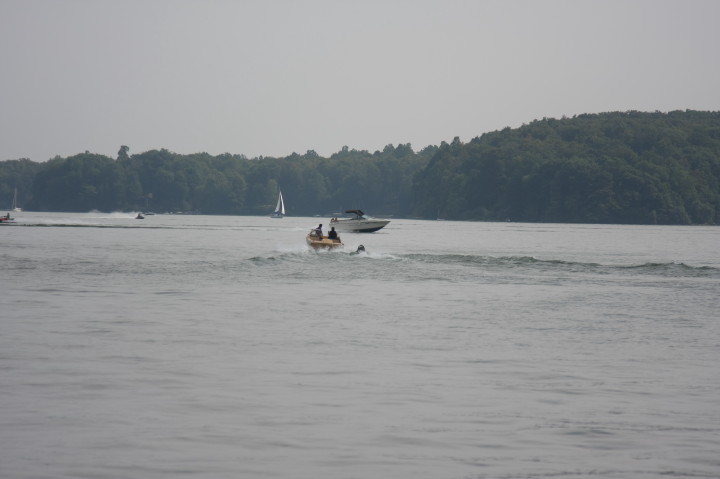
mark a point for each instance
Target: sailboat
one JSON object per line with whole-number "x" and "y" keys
{"x": 15, "y": 207}
{"x": 279, "y": 209}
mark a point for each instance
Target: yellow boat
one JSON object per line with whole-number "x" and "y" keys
{"x": 322, "y": 242}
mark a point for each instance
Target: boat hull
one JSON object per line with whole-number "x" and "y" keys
{"x": 325, "y": 243}
{"x": 359, "y": 225}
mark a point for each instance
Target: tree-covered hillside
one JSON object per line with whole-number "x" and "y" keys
{"x": 631, "y": 167}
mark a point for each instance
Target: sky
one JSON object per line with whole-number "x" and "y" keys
{"x": 276, "y": 77}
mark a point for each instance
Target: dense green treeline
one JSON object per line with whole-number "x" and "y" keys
{"x": 164, "y": 181}
{"x": 645, "y": 168}
{"x": 620, "y": 167}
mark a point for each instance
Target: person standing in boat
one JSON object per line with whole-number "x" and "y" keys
{"x": 318, "y": 231}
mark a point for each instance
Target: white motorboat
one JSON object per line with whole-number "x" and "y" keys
{"x": 359, "y": 223}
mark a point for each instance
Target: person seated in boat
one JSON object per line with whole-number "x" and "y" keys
{"x": 332, "y": 234}
{"x": 318, "y": 231}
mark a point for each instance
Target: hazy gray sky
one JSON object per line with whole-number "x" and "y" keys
{"x": 273, "y": 77}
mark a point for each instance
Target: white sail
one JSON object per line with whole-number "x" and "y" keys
{"x": 14, "y": 204}
{"x": 280, "y": 208}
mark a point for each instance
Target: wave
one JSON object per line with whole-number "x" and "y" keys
{"x": 671, "y": 269}
{"x": 87, "y": 225}
{"x": 95, "y": 224}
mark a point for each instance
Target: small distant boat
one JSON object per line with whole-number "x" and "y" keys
{"x": 280, "y": 208}
{"x": 358, "y": 223}
{"x": 321, "y": 242}
{"x": 7, "y": 220}
{"x": 15, "y": 207}
{"x": 139, "y": 217}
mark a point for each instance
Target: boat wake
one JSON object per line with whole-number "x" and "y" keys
{"x": 474, "y": 264}
{"x": 670, "y": 269}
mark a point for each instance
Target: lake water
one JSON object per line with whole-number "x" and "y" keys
{"x": 222, "y": 347}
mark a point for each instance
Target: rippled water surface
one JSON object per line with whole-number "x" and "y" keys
{"x": 222, "y": 347}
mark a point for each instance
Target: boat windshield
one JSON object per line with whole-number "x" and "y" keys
{"x": 359, "y": 214}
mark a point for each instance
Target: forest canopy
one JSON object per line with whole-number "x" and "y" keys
{"x": 618, "y": 167}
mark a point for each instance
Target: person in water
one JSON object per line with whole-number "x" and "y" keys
{"x": 361, "y": 249}
{"x": 332, "y": 234}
